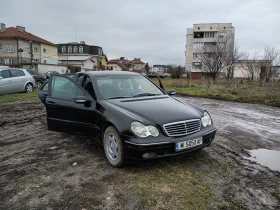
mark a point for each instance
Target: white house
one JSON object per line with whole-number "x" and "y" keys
{"x": 87, "y": 63}
{"x": 115, "y": 65}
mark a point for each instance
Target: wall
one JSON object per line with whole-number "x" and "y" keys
{"x": 25, "y": 46}
{"x": 50, "y": 56}
{"x": 138, "y": 66}
{"x": 115, "y": 67}
{"x": 4, "y": 54}
{"x": 43, "y": 68}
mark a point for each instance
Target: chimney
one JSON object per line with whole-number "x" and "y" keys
{"x": 3, "y": 27}
{"x": 21, "y": 28}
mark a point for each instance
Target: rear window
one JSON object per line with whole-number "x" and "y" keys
{"x": 32, "y": 72}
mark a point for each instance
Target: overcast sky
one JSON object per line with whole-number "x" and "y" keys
{"x": 153, "y": 30}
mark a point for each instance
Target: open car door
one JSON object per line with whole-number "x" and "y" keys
{"x": 69, "y": 107}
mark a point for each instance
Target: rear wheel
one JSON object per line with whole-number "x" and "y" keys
{"x": 29, "y": 88}
{"x": 38, "y": 84}
{"x": 113, "y": 147}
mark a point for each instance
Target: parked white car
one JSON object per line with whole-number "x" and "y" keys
{"x": 16, "y": 80}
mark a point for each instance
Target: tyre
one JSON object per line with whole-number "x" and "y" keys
{"x": 113, "y": 147}
{"x": 29, "y": 88}
{"x": 38, "y": 83}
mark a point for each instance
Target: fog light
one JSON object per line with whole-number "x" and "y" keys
{"x": 149, "y": 155}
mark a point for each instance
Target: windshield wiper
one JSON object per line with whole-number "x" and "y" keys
{"x": 146, "y": 94}
{"x": 119, "y": 97}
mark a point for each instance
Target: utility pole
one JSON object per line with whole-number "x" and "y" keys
{"x": 20, "y": 51}
{"x": 31, "y": 53}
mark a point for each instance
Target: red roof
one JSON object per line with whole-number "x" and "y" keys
{"x": 13, "y": 32}
{"x": 116, "y": 61}
{"x": 137, "y": 61}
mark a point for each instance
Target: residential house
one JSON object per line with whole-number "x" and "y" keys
{"x": 116, "y": 65}
{"x": 160, "y": 68}
{"x": 73, "y": 49}
{"x": 86, "y": 62}
{"x": 15, "y": 47}
{"x": 242, "y": 68}
{"x": 138, "y": 65}
{"x": 200, "y": 35}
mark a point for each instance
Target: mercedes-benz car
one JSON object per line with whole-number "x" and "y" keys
{"x": 126, "y": 112}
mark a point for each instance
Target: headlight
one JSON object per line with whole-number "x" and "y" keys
{"x": 144, "y": 131}
{"x": 206, "y": 119}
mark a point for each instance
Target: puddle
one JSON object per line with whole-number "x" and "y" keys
{"x": 265, "y": 157}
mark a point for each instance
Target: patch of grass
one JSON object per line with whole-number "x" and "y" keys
{"x": 171, "y": 185}
{"x": 19, "y": 96}
{"x": 233, "y": 90}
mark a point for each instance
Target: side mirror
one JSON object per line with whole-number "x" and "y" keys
{"x": 171, "y": 92}
{"x": 82, "y": 100}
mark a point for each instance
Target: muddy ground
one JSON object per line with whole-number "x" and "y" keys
{"x": 41, "y": 169}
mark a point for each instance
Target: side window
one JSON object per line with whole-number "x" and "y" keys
{"x": 5, "y": 74}
{"x": 16, "y": 73}
{"x": 45, "y": 87}
{"x": 63, "y": 88}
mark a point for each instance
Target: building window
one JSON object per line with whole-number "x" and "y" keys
{"x": 195, "y": 55}
{"x": 222, "y": 35}
{"x": 45, "y": 50}
{"x": 35, "y": 49}
{"x": 63, "y": 49}
{"x": 45, "y": 61}
{"x": 209, "y": 34}
{"x": 36, "y": 60}
{"x": 81, "y": 49}
{"x": 197, "y": 45}
{"x": 8, "y": 61}
{"x": 9, "y": 48}
{"x": 198, "y": 28}
{"x": 210, "y": 28}
{"x": 224, "y": 27}
{"x": 197, "y": 66}
{"x": 69, "y": 49}
{"x": 75, "y": 49}
{"x": 100, "y": 51}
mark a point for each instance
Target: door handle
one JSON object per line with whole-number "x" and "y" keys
{"x": 51, "y": 103}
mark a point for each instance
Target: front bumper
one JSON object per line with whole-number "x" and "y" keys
{"x": 144, "y": 151}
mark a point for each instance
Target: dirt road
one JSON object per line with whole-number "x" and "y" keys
{"x": 41, "y": 169}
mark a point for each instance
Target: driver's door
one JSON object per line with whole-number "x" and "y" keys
{"x": 69, "y": 107}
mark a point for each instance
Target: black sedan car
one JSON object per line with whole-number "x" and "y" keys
{"x": 49, "y": 73}
{"x": 126, "y": 112}
{"x": 39, "y": 78}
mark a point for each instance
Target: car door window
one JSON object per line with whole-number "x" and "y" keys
{"x": 64, "y": 88}
{"x": 5, "y": 74}
{"x": 17, "y": 73}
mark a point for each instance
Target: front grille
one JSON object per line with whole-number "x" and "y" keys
{"x": 182, "y": 128}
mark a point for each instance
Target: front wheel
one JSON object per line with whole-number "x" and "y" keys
{"x": 29, "y": 88}
{"x": 113, "y": 147}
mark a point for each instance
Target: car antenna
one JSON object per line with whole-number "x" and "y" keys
{"x": 160, "y": 82}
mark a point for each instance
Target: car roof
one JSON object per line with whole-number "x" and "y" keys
{"x": 111, "y": 73}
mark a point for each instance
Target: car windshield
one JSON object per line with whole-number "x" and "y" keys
{"x": 126, "y": 87}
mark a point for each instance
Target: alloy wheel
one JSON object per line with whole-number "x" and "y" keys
{"x": 112, "y": 146}
{"x": 29, "y": 88}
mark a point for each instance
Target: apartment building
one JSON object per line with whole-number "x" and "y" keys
{"x": 15, "y": 48}
{"x": 200, "y": 35}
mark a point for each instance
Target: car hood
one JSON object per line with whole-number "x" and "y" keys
{"x": 155, "y": 110}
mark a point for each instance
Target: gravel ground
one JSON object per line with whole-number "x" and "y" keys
{"x": 41, "y": 169}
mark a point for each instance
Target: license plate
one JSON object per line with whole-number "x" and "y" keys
{"x": 188, "y": 144}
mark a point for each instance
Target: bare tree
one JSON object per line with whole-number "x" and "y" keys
{"x": 217, "y": 56}
{"x": 252, "y": 64}
{"x": 175, "y": 71}
{"x": 233, "y": 55}
{"x": 271, "y": 56}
